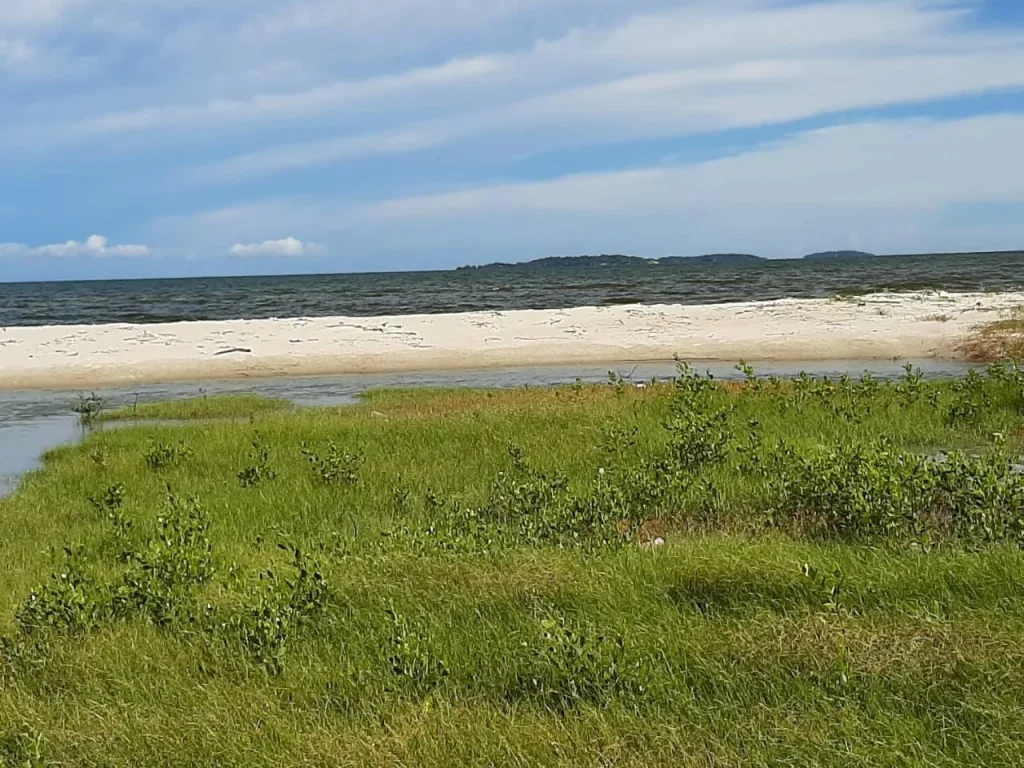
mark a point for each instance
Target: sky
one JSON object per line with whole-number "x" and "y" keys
{"x": 151, "y": 138}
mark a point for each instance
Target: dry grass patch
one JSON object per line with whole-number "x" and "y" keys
{"x": 1001, "y": 340}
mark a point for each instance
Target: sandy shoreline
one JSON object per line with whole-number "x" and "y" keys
{"x": 880, "y": 326}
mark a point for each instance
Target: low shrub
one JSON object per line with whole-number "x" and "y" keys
{"x": 332, "y": 465}
{"x": 164, "y": 455}
{"x": 568, "y": 664}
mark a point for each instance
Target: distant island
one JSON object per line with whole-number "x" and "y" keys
{"x": 839, "y": 256}
{"x": 557, "y": 262}
{"x": 709, "y": 259}
{"x": 620, "y": 260}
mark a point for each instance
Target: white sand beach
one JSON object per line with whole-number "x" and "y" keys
{"x": 880, "y": 326}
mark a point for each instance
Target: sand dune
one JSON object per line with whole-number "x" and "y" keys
{"x": 880, "y": 326}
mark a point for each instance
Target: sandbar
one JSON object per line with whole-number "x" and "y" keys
{"x": 914, "y": 325}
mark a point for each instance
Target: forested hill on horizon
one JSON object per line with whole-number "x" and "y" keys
{"x": 711, "y": 259}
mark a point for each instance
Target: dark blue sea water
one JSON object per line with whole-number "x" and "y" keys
{"x": 154, "y": 301}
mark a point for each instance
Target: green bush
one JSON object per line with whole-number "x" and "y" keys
{"x": 568, "y": 664}
{"x": 334, "y": 465}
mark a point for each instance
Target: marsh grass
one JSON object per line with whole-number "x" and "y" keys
{"x": 458, "y": 577}
{"x": 234, "y": 406}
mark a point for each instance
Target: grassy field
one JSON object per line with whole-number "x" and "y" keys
{"x": 688, "y": 573}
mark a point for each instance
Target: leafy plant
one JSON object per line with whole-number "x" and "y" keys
{"x": 535, "y": 508}
{"x": 401, "y": 497}
{"x": 911, "y": 385}
{"x": 849, "y": 491}
{"x": 971, "y": 399}
{"x": 617, "y": 381}
{"x": 70, "y": 603}
{"x": 699, "y": 432}
{"x": 619, "y": 443}
{"x": 621, "y": 501}
{"x": 877, "y": 491}
{"x": 697, "y": 439}
{"x": 89, "y": 408}
{"x": 273, "y": 609}
{"x": 692, "y": 389}
{"x": 752, "y": 453}
{"x": 111, "y": 500}
{"x": 411, "y": 656}
{"x": 978, "y": 498}
{"x": 259, "y": 471}
{"x": 164, "y": 577}
{"x": 754, "y": 384}
{"x": 829, "y": 585}
{"x": 20, "y": 747}
{"x": 111, "y": 505}
{"x": 839, "y": 679}
{"x": 531, "y": 508}
{"x": 164, "y": 455}
{"x": 334, "y": 465}
{"x": 568, "y": 664}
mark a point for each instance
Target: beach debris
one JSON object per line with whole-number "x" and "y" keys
{"x": 245, "y": 350}
{"x": 657, "y": 543}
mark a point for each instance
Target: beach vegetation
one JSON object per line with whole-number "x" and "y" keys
{"x": 228, "y": 406}
{"x": 810, "y": 571}
{"x": 999, "y": 340}
{"x": 332, "y": 464}
{"x": 167, "y": 454}
{"x": 89, "y": 408}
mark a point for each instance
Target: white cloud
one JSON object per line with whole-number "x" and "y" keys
{"x": 381, "y": 16}
{"x": 95, "y": 246}
{"x": 294, "y": 156}
{"x": 284, "y": 105}
{"x": 664, "y": 104}
{"x": 289, "y": 246}
{"x": 704, "y": 45}
{"x": 189, "y": 56}
{"x": 907, "y": 164}
{"x": 38, "y": 41}
{"x": 896, "y": 184}
{"x": 23, "y": 13}
{"x": 223, "y": 90}
{"x": 692, "y": 71}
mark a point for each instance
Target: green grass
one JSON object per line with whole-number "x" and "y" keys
{"x": 447, "y": 631}
{"x": 234, "y": 406}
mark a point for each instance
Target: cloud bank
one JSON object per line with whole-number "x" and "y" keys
{"x": 429, "y": 133}
{"x": 95, "y": 246}
{"x": 288, "y": 246}
{"x": 889, "y": 186}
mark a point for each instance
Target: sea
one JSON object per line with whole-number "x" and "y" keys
{"x": 503, "y": 289}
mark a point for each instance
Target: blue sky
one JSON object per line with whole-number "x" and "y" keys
{"x": 197, "y": 137}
